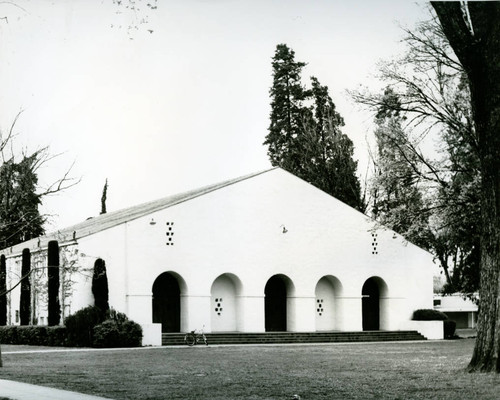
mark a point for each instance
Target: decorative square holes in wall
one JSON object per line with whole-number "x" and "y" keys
{"x": 374, "y": 244}
{"x": 170, "y": 233}
{"x": 218, "y": 306}
{"x": 320, "y": 309}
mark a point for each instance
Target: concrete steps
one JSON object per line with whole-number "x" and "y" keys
{"x": 171, "y": 339}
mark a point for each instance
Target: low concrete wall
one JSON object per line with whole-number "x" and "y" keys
{"x": 430, "y": 329}
{"x": 151, "y": 334}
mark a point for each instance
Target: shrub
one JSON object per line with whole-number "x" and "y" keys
{"x": 33, "y": 335}
{"x": 119, "y": 317}
{"x": 117, "y": 331}
{"x": 106, "y": 334}
{"x": 131, "y": 334}
{"x": 8, "y": 334}
{"x": 434, "y": 315}
{"x": 56, "y": 336}
{"x": 449, "y": 329}
{"x": 429, "y": 315}
{"x": 80, "y": 326}
{"x": 87, "y": 327}
{"x": 92, "y": 327}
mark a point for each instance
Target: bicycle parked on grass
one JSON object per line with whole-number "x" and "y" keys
{"x": 194, "y": 337}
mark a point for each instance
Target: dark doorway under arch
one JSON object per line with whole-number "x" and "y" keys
{"x": 275, "y": 304}
{"x": 371, "y": 305}
{"x": 167, "y": 303}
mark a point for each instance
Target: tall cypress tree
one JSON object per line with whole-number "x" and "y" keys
{"x": 25, "y": 301}
{"x": 104, "y": 197}
{"x": 54, "y": 307}
{"x": 3, "y": 291}
{"x": 100, "y": 285}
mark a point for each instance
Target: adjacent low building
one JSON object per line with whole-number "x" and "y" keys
{"x": 462, "y": 310}
{"x": 264, "y": 252}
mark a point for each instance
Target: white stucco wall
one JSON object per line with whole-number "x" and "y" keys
{"x": 432, "y": 330}
{"x": 454, "y": 303}
{"x": 239, "y": 230}
{"x": 273, "y": 223}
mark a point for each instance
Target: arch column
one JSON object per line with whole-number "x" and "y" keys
{"x": 352, "y": 313}
{"x": 140, "y": 308}
{"x": 398, "y": 307}
{"x": 252, "y": 316}
{"x": 196, "y": 312}
{"x": 300, "y": 318}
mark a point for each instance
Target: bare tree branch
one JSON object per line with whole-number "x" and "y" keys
{"x": 10, "y": 136}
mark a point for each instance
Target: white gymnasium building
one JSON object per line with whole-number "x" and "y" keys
{"x": 265, "y": 252}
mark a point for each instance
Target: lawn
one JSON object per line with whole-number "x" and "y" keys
{"x": 417, "y": 370}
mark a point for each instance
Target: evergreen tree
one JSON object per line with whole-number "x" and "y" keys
{"x": 305, "y": 135}
{"x": 327, "y": 152}
{"x": 458, "y": 215}
{"x": 100, "y": 286}
{"x": 3, "y": 291}
{"x": 25, "y": 300}
{"x": 54, "y": 308}
{"x": 104, "y": 197}
{"x": 396, "y": 190}
{"x": 287, "y": 111}
{"x": 20, "y": 219}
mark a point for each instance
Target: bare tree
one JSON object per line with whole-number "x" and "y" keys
{"x": 21, "y": 194}
{"x": 427, "y": 92}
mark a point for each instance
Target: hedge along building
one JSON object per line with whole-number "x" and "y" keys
{"x": 265, "y": 252}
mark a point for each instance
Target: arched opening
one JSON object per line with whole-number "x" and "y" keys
{"x": 275, "y": 304}
{"x": 167, "y": 303}
{"x": 373, "y": 289}
{"x": 328, "y": 309}
{"x": 224, "y": 303}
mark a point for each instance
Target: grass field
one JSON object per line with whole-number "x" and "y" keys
{"x": 417, "y": 370}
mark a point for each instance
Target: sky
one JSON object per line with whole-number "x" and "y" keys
{"x": 182, "y": 101}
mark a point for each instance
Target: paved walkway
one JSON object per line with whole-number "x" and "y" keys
{"x": 25, "y": 391}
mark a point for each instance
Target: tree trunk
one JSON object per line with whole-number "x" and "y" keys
{"x": 473, "y": 31}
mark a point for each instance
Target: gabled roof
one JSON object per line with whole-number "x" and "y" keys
{"x": 112, "y": 219}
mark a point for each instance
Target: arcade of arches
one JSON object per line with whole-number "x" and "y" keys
{"x": 168, "y": 288}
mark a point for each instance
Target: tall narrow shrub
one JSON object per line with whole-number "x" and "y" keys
{"x": 3, "y": 290}
{"x": 25, "y": 303}
{"x": 100, "y": 285}
{"x": 53, "y": 289}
